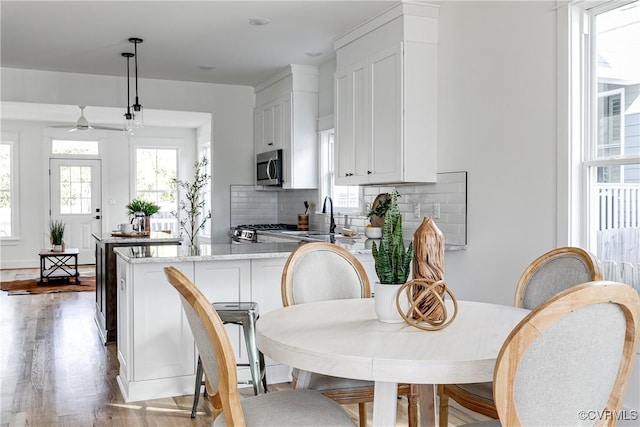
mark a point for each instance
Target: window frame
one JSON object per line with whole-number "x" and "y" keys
{"x": 326, "y": 176}
{"x": 150, "y": 143}
{"x": 13, "y": 140}
{"x": 577, "y": 122}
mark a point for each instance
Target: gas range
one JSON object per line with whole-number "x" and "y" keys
{"x": 247, "y": 233}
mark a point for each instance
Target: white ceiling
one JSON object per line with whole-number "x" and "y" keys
{"x": 89, "y": 36}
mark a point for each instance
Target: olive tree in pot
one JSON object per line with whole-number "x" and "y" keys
{"x": 192, "y": 206}
{"x": 392, "y": 262}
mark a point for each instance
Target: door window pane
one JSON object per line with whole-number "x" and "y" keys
{"x": 75, "y": 190}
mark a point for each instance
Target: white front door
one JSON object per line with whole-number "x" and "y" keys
{"x": 74, "y": 198}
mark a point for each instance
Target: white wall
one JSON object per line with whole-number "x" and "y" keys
{"x": 497, "y": 120}
{"x": 231, "y": 108}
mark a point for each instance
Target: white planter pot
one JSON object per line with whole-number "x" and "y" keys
{"x": 57, "y": 248}
{"x": 385, "y": 303}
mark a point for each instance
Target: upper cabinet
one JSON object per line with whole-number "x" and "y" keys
{"x": 386, "y": 98}
{"x": 285, "y": 118}
{"x": 269, "y": 125}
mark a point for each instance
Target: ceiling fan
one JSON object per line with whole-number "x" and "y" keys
{"x": 83, "y": 124}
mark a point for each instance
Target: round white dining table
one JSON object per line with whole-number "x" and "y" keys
{"x": 344, "y": 338}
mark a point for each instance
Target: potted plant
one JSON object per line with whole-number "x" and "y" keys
{"x": 194, "y": 218}
{"x": 56, "y": 232}
{"x": 141, "y": 205}
{"x": 146, "y": 207}
{"x": 392, "y": 263}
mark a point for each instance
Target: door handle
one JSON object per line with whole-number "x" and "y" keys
{"x": 97, "y": 217}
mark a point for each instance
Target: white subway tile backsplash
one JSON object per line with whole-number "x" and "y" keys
{"x": 250, "y": 206}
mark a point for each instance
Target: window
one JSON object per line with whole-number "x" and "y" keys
{"x": 82, "y": 148}
{"x": 604, "y": 134}
{"x": 155, "y": 170}
{"x": 8, "y": 187}
{"x": 75, "y": 190}
{"x": 346, "y": 199}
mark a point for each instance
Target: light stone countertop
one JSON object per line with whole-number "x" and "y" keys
{"x": 239, "y": 251}
{"x": 181, "y": 253}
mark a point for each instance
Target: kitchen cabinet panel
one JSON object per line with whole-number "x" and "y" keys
{"x": 386, "y": 100}
{"x": 286, "y": 119}
{"x": 386, "y": 116}
{"x": 352, "y": 125}
{"x": 269, "y": 126}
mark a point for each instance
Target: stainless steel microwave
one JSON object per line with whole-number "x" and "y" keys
{"x": 269, "y": 168}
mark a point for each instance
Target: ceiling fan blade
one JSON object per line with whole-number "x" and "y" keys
{"x": 107, "y": 128}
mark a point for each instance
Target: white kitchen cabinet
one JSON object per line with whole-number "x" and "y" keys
{"x": 386, "y": 99}
{"x": 156, "y": 350}
{"x": 352, "y": 126}
{"x": 285, "y": 118}
{"x": 269, "y": 126}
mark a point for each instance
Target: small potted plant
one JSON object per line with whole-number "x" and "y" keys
{"x": 392, "y": 263}
{"x": 56, "y": 232}
{"x": 145, "y": 206}
{"x": 141, "y": 205}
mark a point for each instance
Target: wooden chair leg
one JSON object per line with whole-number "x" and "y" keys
{"x": 412, "y": 406}
{"x": 362, "y": 414}
{"x": 443, "y": 415}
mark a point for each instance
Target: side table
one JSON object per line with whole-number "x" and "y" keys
{"x": 59, "y": 265}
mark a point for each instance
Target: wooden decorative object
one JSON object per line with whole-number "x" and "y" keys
{"x": 428, "y": 263}
{"x": 427, "y": 310}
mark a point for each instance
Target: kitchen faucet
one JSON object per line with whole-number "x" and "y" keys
{"x": 332, "y": 225}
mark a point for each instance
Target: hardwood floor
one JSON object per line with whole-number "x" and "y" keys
{"x": 54, "y": 371}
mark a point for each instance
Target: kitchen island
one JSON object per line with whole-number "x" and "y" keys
{"x": 106, "y": 284}
{"x": 156, "y": 349}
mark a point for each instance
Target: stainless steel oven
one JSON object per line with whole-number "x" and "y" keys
{"x": 269, "y": 168}
{"x": 248, "y": 233}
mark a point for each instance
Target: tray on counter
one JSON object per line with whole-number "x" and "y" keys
{"x": 119, "y": 234}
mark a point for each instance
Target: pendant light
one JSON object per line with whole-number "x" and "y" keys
{"x": 128, "y": 116}
{"x": 137, "y": 108}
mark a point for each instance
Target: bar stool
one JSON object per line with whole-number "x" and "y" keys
{"x": 244, "y": 314}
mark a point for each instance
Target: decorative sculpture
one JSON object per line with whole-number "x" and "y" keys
{"x": 427, "y": 289}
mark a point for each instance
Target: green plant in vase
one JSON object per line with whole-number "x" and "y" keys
{"x": 393, "y": 263}
{"x": 141, "y": 205}
{"x": 56, "y": 232}
{"x": 392, "y": 259}
{"x": 193, "y": 205}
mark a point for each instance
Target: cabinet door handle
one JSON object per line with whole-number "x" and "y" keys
{"x": 97, "y": 217}
{"x": 271, "y": 143}
{"x": 122, "y": 284}
{"x": 369, "y": 172}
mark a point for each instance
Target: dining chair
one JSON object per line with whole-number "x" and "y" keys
{"x": 550, "y": 273}
{"x": 591, "y": 330}
{"x": 320, "y": 271}
{"x": 284, "y": 408}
